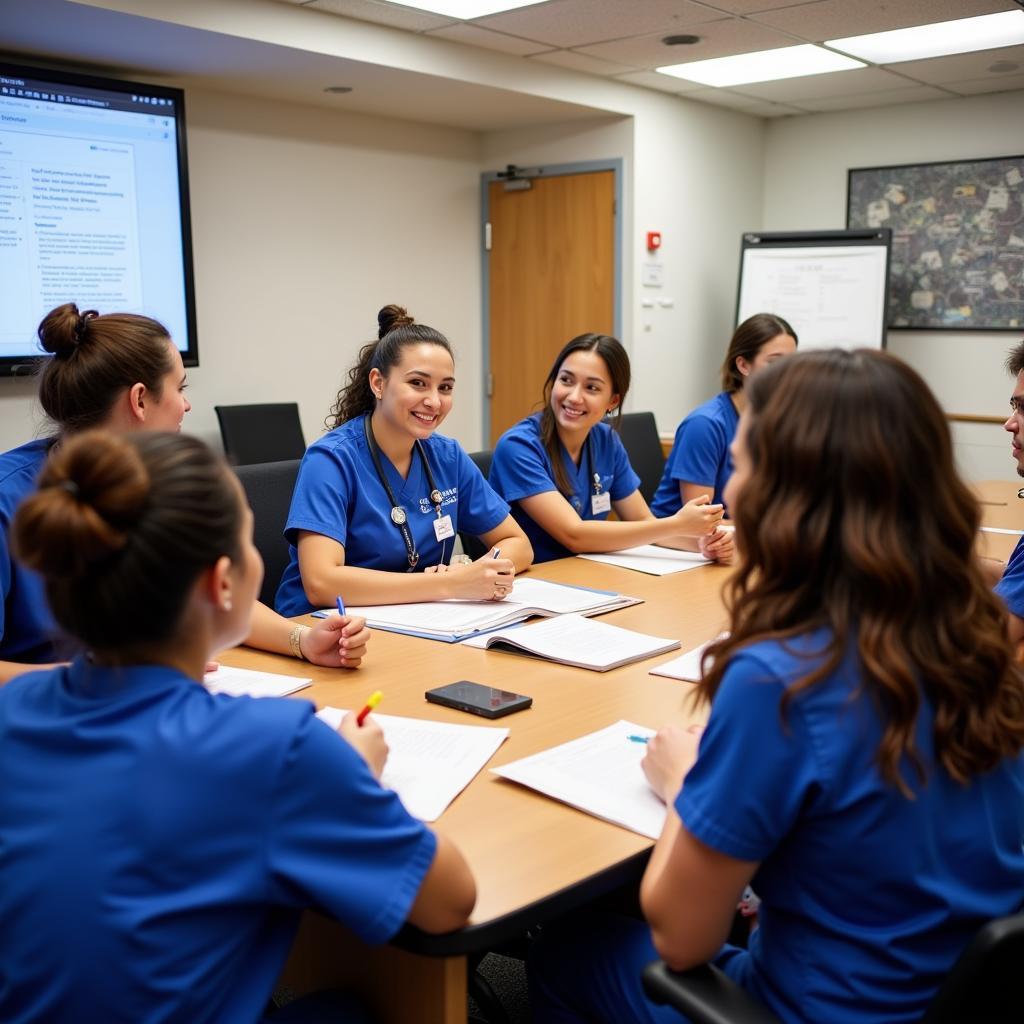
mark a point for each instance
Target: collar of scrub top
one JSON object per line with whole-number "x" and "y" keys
{"x": 398, "y": 514}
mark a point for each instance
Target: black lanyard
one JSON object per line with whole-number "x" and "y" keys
{"x": 593, "y": 477}
{"x": 398, "y": 514}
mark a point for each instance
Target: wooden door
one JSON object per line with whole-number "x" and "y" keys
{"x": 552, "y": 276}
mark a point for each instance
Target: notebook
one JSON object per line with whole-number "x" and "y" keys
{"x": 246, "y": 682}
{"x": 452, "y": 621}
{"x": 651, "y": 559}
{"x": 578, "y": 641}
{"x": 686, "y": 666}
{"x": 429, "y": 763}
{"x": 598, "y": 773}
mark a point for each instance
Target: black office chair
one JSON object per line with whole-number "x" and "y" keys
{"x": 982, "y": 986}
{"x": 639, "y": 433}
{"x": 261, "y": 433}
{"x": 473, "y": 546}
{"x": 268, "y": 488}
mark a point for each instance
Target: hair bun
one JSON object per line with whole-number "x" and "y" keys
{"x": 391, "y": 317}
{"x": 93, "y": 490}
{"x": 61, "y": 330}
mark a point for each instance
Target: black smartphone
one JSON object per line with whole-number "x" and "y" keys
{"x": 488, "y": 701}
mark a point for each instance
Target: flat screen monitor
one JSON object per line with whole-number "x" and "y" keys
{"x": 93, "y": 206}
{"x": 832, "y": 286}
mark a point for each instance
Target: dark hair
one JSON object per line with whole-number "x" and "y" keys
{"x": 121, "y": 527}
{"x": 395, "y": 330}
{"x": 854, "y": 520}
{"x": 614, "y": 355}
{"x": 94, "y": 358}
{"x": 746, "y": 341}
{"x": 1015, "y": 360}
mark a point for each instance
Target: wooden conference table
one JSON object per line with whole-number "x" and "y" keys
{"x": 533, "y": 858}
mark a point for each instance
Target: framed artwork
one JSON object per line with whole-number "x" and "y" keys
{"x": 957, "y": 240}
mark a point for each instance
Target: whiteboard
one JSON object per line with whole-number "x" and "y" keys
{"x": 832, "y": 291}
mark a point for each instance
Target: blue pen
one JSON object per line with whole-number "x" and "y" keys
{"x": 497, "y": 551}
{"x": 341, "y": 605}
{"x": 639, "y": 739}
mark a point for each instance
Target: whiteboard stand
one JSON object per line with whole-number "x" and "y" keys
{"x": 832, "y": 286}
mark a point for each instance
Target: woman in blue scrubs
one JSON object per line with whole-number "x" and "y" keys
{"x": 121, "y": 372}
{"x": 865, "y": 740}
{"x": 564, "y": 469}
{"x": 160, "y": 842}
{"x": 699, "y": 462}
{"x": 380, "y": 498}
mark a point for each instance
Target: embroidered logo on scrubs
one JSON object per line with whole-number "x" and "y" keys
{"x": 449, "y": 496}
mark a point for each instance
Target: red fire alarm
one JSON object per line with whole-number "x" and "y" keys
{"x": 653, "y": 241}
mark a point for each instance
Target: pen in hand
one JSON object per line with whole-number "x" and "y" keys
{"x": 341, "y": 605}
{"x": 371, "y": 702}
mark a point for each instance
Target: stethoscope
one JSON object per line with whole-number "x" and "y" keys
{"x": 398, "y": 514}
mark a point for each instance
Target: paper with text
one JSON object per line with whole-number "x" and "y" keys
{"x": 651, "y": 559}
{"x": 246, "y": 682}
{"x": 599, "y": 773}
{"x": 429, "y": 763}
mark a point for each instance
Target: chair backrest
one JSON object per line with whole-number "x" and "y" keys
{"x": 639, "y": 433}
{"x": 473, "y": 546}
{"x": 270, "y": 432}
{"x": 268, "y": 488}
{"x": 983, "y": 983}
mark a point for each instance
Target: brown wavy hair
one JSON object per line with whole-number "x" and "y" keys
{"x": 854, "y": 520}
{"x": 616, "y": 359}
{"x": 395, "y": 330}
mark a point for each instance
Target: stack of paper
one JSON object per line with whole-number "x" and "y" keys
{"x": 452, "y": 621}
{"x": 244, "y": 682}
{"x": 687, "y": 666}
{"x": 651, "y": 559}
{"x": 599, "y": 773}
{"x": 429, "y": 763}
{"x": 575, "y": 640}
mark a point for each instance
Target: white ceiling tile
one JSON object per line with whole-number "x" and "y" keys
{"x": 837, "y": 19}
{"x": 744, "y": 104}
{"x": 579, "y": 22}
{"x": 962, "y": 67}
{"x": 381, "y": 13}
{"x": 718, "y": 39}
{"x": 751, "y": 6}
{"x": 652, "y": 80}
{"x": 475, "y": 36}
{"x": 583, "y": 62}
{"x": 838, "y": 83}
{"x": 1000, "y": 83}
{"x": 915, "y": 94}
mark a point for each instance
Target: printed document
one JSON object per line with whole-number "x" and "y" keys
{"x": 245, "y": 682}
{"x": 651, "y": 559}
{"x": 686, "y": 666}
{"x": 599, "y": 773}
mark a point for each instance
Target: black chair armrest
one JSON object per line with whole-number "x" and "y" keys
{"x": 705, "y": 994}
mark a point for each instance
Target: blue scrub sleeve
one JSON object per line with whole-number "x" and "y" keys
{"x": 1011, "y": 587}
{"x": 6, "y": 571}
{"x": 481, "y": 509}
{"x": 321, "y": 497}
{"x": 340, "y": 841}
{"x": 754, "y": 774}
{"x": 626, "y": 480}
{"x": 520, "y": 468}
{"x": 701, "y": 447}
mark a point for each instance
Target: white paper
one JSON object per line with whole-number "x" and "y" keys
{"x": 599, "y": 773}
{"x": 429, "y": 763}
{"x": 651, "y": 559}
{"x": 245, "y": 682}
{"x": 686, "y": 666}
{"x": 999, "y": 529}
{"x": 576, "y": 640}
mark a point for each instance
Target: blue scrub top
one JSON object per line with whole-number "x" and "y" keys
{"x": 159, "y": 844}
{"x": 521, "y": 468}
{"x": 28, "y": 633}
{"x": 1011, "y": 587}
{"x": 700, "y": 454}
{"x": 867, "y": 898}
{"x": 339, "y": 495}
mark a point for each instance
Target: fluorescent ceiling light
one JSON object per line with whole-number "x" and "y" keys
{"x": 763, "y": 66}
{"x": 466, "y": 9}
{"x": 962, "y": 36}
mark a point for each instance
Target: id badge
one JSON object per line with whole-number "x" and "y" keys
{"x": 600, "y": 503}
{"x": 443, "y": 528}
